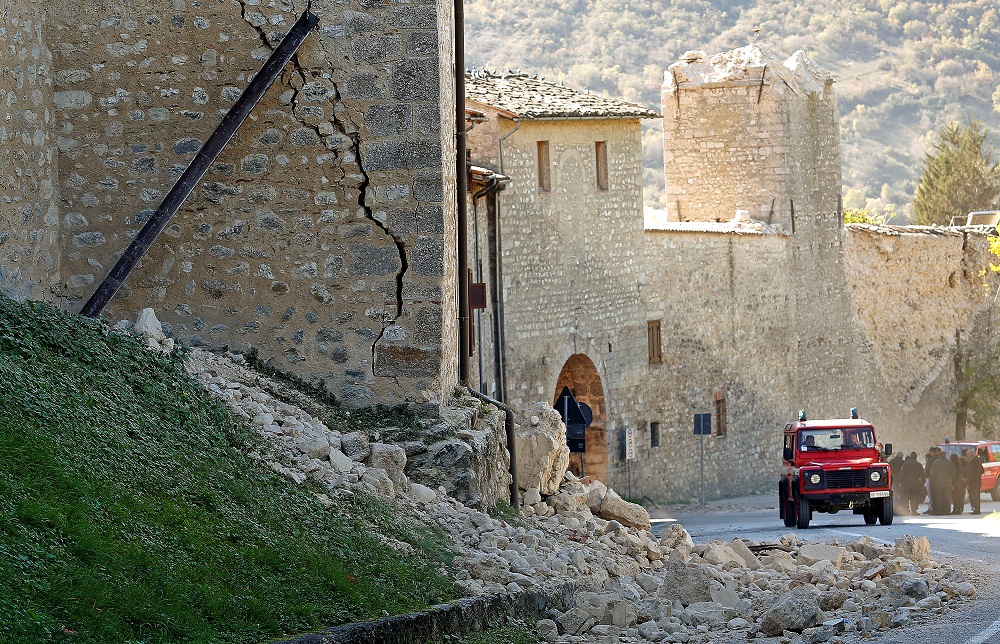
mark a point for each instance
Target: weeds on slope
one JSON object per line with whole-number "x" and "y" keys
{"x": 130, "y": 511}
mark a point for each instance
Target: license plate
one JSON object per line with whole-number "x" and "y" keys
{"x": 878, "y": 494}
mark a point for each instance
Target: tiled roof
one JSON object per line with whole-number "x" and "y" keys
{"x": 530, "y": 97}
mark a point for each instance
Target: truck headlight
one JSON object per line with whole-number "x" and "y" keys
{"x": 814, "y": 479}
{"x": 875, "y": 476}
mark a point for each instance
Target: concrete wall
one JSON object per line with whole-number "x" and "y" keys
{"x": 320, "y": 236}
{"x": 29, "y": 191}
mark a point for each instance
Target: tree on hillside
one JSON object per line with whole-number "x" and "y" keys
{"x": 960, "y": 175}
{"x": 977, "y": 385}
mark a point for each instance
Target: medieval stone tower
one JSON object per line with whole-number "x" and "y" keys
{"x": 743, "y": 131}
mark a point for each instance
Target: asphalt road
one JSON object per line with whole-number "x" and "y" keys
{"x": 967, "y": 542}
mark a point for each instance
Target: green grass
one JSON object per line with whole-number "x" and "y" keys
{"x": 513, "y": 633}
{"x": 129, "y": 511}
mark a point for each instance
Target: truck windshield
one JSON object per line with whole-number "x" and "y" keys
{"x": 835, "y": 439}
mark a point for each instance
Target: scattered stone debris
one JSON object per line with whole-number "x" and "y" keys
{"x": 631, "y": 586}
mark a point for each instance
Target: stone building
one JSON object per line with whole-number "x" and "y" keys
{"x": 319, "y": 235}
{"x": 565, "y": 247}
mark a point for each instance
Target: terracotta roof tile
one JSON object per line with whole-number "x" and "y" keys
{"x": 530, "y": 97}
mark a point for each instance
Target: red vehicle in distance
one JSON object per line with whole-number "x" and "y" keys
{"x": 832, "y": 465}
{"x": 989, "y": 454}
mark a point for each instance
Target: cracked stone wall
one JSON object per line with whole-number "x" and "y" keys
{"x": 29, "y": 218}
{"x": 319, "y": 235}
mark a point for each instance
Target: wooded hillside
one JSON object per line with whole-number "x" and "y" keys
{"x": 902, "y": 69}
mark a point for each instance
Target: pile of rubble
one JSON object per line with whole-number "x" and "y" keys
{"x": 631, "y": 586}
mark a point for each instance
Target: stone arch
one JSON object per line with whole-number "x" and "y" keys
{"x": 580, "y": 374}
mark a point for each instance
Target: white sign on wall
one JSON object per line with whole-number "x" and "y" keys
{"x": 630, "y": 443}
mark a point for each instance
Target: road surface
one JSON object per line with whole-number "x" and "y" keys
{"x": 970, "y": 543}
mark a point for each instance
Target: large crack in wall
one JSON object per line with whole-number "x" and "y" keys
{"x": 334, "y": 138}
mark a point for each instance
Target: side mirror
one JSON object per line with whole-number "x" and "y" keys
{"x": 787, "y": 454}
{"x": 888, "y": 449}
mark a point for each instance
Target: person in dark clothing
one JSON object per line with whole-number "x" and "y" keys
{"x": 928, "y": 462}
{"x": 897, "y": 489}
{"x": 958, "y": 486}
{"x": 942, "y": 479}
{"x": 911, "y": 483}
{"x": 974, "y": 480}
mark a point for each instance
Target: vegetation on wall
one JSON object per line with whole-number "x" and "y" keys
{"x": 903, "y": 68}
{"x": 960, "y": 175}
{"x": 131, "y": 511}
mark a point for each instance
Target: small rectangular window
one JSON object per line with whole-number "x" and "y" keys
{"x": 721, "y": 414}
{"x": 544, "y": 169}
{"x": 653, "y": 331}
{"x": 601, "y": 150}
{"x": 654, "y": 434}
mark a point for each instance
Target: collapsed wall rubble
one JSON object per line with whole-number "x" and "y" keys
{"x": 632, "y": 586}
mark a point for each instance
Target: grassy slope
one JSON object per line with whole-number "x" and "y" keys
{"x": 903, "y": 68}
{"x": 130, "y": 513}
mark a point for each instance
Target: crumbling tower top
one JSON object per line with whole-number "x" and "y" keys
{"x": 747, "y": 133}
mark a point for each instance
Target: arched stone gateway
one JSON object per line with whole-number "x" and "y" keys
{"x": 581, "y": 376}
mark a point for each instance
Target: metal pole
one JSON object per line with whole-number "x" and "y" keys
{"x": 628, "y": 468}
{"x": 508, "y": 423}
{"x": 462, "y": 188}
{"x": 201, "y": 163}
{"x": 702, "y": 469}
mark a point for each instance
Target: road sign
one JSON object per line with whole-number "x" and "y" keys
{"x": 630, "y": 443}
{"x": 703, "y": 424}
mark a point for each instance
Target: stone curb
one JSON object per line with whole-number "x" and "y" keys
{"x": 459, "y": 617}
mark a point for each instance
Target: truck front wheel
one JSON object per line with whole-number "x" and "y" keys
{"x": 995, "y": 492}
{"x": 885, "y": 511}
{"x": 802, "y": 515}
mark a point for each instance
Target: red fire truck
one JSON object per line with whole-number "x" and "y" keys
{"x": 832, "y": 465}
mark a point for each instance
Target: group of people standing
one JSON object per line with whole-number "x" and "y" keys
{"x": 946, "y": 479}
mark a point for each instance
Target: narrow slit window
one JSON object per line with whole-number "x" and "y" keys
{"x": 653, "y": 331}
{"x": 721, "y": 414}
{"x": 544, "y": 169}
{"x": 654, "y": 434}
{"x": 601, "y": 154}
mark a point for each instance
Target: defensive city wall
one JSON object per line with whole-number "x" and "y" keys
{"x": 320, "y": 236}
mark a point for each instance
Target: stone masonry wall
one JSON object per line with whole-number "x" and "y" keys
{"x": 724, "y": 302}
{"x": 320, "y": 234}
{"x": 29, "y": 196}
{"x": 824, "y": 320}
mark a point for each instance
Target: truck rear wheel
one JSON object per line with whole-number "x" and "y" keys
{"x": 802, "y": 514}
{"x": 885, "y": 511}
{"x": 995, "y": 492}
{"x": 871, "y": 515}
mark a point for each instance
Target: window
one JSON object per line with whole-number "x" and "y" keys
{"x": 653, "y": 331}
{"x": 601, "y": 152}
{"x": 622, "y": 446}
{"x": 544, "y": 169}
{"x": 721, "y": 413}
{"x": 654, "y": 434}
